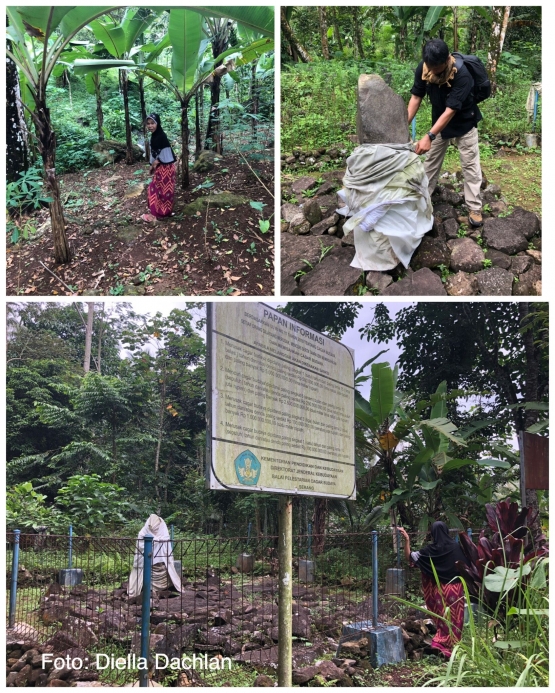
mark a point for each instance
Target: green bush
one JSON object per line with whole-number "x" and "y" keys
{"x": 26, "y": 510}
{"x": 93, "y": 505}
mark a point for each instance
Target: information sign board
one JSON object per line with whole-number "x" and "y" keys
{"x": 280, "y": 407}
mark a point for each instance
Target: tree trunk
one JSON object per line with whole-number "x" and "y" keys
{"x": 185, "y": 143}
{"x": 198, "y": 138}
{"x": 298, "y": 51}
{"x": 336, "y": 32}
{"x": 143, "y": 116}
{"x": 99, "y": 113}
{"x": 254, "y": 98}
{"x": 160, "y": 434}
{"x": 16, "y": 131}
{"x": 498, "y": 30}
{"x": 324, "y": 32}
{"x": 455, "y": 29}
{"x": 47, "y": 149}
{"x": 213, "y": 129}
{"x": 128, "y": 139}
{"x": 100, "y": 335}
{"x": 531, "y": 390}
{"x": 357, "y": 32}
{"x": 473, "y": 31}
{"x": 88, "y": 338}
{"x": 319, "y": 525}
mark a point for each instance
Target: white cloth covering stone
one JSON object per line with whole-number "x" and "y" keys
{"x": 387, "y": 202}
{"x": 163, "y": 567}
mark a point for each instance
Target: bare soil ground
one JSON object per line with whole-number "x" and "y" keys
{"x": 210, "y": 252}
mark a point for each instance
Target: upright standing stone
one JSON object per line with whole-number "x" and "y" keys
{"x": 381, "y": 113}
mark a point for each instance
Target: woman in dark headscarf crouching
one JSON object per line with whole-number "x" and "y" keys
{"x": 443, "y": 553}
{"x": 161, "y": 190}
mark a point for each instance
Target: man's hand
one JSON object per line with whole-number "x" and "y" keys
{"x": 424, "y": 145}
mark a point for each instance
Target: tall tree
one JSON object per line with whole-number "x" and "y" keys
{"x": 500, "y": 20}
{"x": 16, "y": 128}
{"x": 297, "y": 51}
{"x": 324, "y": 32}
{"x": 32, "y": 32}
{"x": 88, "y": 337}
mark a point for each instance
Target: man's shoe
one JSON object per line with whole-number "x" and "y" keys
{"x": 475, "y": 219}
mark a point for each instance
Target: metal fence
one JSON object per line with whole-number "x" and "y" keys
{"x": 72, "y": 593}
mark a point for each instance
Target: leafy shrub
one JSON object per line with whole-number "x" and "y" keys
{"x": 497, "y": 564}
{"x": 25, "y": 510}
{"x": 26, "y": 193}
{"x": 92, "y": 504}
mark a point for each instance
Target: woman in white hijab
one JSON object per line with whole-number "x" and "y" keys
{"x": 163, "y": 569}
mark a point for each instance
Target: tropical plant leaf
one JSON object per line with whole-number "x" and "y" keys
{"x": 259, "y": 19}
{"x": 445, "y": 427}
{"x": 432, "y": 16}
{"x": 537, "y": 427}
{"x": 84, "y": 67}
{"x": 185, "y": 32}
{"x": 381, "y": 391}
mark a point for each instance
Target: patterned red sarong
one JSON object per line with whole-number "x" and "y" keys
{"x": 453, "y": 597}
{"x": 161, "y": 190}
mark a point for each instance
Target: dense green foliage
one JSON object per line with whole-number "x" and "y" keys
{"x": 392, "y": 50}
{"x": 136, "y": 420}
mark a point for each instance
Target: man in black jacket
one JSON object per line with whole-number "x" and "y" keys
{"x": 455, "y": 116}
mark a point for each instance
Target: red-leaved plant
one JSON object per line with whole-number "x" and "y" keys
{"x": 514, "y": 543}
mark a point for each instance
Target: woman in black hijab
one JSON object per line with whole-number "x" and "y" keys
{"x": 442, "y": 554}
{"x": 161, "y": 190}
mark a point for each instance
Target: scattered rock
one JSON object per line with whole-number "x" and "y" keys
{"x": 461, "y": 284}
{"x": 505, "y": 235}
{"x": 206, "y": 161}
{"x": 451, "y": 228}
{"x": 421, "y": 283}
{"x": 431, "y": 253}
{"x": 289, "y": 211}
{"x": 304, "y": 675}
{"x": 529, "y": 283}
{"x": 495, "y": 281}
{"x": 324, "y": 225}
{"x": 219, "y": 200}
{"x": 499, "y": 259}
{"x": 312, "y": 212}
{"x": 263, "y": 681}
{"x": 535, "y": 255}
{"x": 520, "y": 264}
{"x": 378, "y": 281}
{"x": 444, "y": 211}
{"x": 303, "y": 184}
{"x": 112, "y": 151}
{"x": 333, "y": 276}
{"x": 466, "y": 255}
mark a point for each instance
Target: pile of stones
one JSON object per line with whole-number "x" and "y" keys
{"x": 501, "y": 259}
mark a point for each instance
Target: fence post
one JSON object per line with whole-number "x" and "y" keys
{"x": 70, "y": 557}
{"x": 145, "y": 620}
{"x": 398, "y": 548}
{"x": 309, "y": 540}
{"x": 413, "y": 123}
{"x": 374, "y": 579}
{"x": 469, "y": 532}
{"x": 15, "y": 570}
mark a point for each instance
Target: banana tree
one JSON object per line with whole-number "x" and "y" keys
{"x": 119, "y": 39}
{"x": 38, "y": 35}
{"x": 415, "y": 452}
{"x": 189, "y": 43}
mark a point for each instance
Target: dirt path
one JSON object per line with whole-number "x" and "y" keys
{"x": 201, "y": 251}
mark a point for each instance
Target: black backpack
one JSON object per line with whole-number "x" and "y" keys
{"x": 482, "y": 85}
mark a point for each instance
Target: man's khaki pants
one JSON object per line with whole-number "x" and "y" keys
{"x": 470, "y": 164}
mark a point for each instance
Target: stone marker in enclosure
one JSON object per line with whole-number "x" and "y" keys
{"x": 381, "y": 113}
{"x": 281, "y": 405}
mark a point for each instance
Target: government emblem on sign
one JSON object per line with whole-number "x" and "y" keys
{"x": 247, "y": 468}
